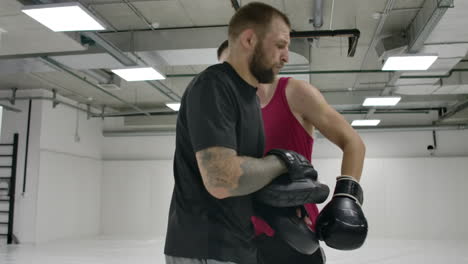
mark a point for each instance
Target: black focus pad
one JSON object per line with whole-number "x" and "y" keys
{"x": 348, "y": 186}
{"x": 298, "y": 166}
{"x": 293, "y": 230}
{"x": 284, "y": 192}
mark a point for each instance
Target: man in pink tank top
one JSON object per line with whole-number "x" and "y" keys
{"x": 291, "y": 109}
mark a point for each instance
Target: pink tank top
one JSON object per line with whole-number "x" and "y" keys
{"x": 283, "y": 130}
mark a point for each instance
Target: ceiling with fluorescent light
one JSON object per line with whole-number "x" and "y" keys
{"x": 180, "y": 37}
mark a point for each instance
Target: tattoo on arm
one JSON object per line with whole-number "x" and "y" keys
{"x": 216, "y": 167}
{"x": 223, "y": 171}
{"x": 256, "y": 173}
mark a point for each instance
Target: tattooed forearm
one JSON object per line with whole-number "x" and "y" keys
{"x": 225, "y": 174}
{"x": 257, "y": 173}
{"x": 217, "y": 168}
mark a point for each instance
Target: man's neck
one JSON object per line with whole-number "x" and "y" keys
{"x": 242, "y": 68}
{"x": 266, "y": 91}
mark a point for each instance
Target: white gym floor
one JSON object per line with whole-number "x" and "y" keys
{"x": 120, "y": 251}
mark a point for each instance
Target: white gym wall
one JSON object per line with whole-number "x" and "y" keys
{"x": 121, "y": 186}
{"x": 408, "y": 193}
{"x": 62, "y": 196}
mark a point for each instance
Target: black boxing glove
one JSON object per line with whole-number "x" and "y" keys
{"x": 342, "y": 224}
{"x": 297, "y": 187}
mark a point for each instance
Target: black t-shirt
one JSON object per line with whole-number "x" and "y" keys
{"x": 218, "y": 109}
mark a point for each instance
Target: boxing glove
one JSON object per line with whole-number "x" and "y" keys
{"x": 342, "y": 224}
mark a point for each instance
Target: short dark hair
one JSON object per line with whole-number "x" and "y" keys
{"x": 222, "y": 47}
{"x": 254, "y": 15}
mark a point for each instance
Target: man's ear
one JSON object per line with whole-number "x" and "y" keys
{"x": 248, "y": 39}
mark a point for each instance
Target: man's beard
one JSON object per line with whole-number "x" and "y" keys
{"x": 262, "y": 73}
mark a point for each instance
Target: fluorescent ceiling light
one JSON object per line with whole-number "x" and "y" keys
{"x": 409, "y": 63}
{"x": 381, "y": 101}
{"x": 173, "y": 106}
{"x": 367, "y": 122}
{"x": 139, "y": 74}
{"x": 64, "y": 17}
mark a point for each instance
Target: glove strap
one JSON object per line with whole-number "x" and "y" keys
{"x": 349, "y": 187}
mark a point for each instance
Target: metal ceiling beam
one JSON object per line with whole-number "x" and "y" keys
{"x": 128, "y": 114}
{"x": 454, "y": 110}
{"x": 425, "y": 22}
{"x": 375, "y": 37}
{"x": 417, "y": 33}
{"x": 191, "y": 38}
{"x": 117, "y": 53}
{"x": 110, "y": 48}
{"x": 119, "y": 44}
{"x": 343, "y": 110}
{"x": 70, "y": 72}
{"x": 351, "y": 98}
{"x": 169, "y": 39}
{"x": 55, "y": 101}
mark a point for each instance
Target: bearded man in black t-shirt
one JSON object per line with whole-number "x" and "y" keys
{"x": 219, "y": 159}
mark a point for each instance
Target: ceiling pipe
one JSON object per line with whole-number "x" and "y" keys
{"x": 139, "y": 133}
{"x": 139, "y": 14}
{"x": 162, "y": 29}
{"x": 411, "y": 128}
{"x": 10, "y": 108}
{"x": 317, "y": 20}
{"x": 235, "y": 4}
{"x": 342, "y": 72}
{"x": 88, "y": 111}
{"x": 342, "y": 111}
{"x": 55, "y": 101}
{"x": 326, "y": 33}
{"x": 130, "y": 114}
{"x": 434, "y": 76}
{"x": 352, "y": 35}
{"x": 171, "y": 132}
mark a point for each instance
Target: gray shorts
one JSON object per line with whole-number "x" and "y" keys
{"x": 179, "y": 260}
